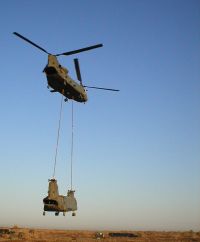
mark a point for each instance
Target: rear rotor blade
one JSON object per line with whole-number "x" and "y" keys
{"x": 30, "y": 42}
{"x": 81, "y": 50}
{"x": 78, "y": 73}
{"x": 102, "y": 88}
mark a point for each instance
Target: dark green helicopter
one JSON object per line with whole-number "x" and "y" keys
{"x": 58, "y": 78}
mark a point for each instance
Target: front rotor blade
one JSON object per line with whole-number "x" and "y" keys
{"x": 81, "y": 50}
{"x": 30, "y": 42}
{"x": 102, "y": 88}
{"x": 77, "y": 67}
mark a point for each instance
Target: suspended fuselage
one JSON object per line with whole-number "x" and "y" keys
{"x": 59, "y": 80}
{"x": 59, "y": 203}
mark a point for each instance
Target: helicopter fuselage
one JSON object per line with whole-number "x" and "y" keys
{"x": 59, "y": 80}
{"x": 59, "y": 203}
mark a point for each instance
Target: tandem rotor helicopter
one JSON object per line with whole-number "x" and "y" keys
{"x": 58, "y": 203}
{"x": 58, "y": 78}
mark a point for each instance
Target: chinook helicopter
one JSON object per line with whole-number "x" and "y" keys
{"x": 58, "y": 203}
{"x": 58, "y": 78}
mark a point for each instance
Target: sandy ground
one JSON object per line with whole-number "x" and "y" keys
{"x": 44, "y": 235}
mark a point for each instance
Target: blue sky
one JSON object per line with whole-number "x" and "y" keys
{"x": 137, "y": 159}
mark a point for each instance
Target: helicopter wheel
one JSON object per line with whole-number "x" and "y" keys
{"x": 56, "y": 213}
{"x": 73, "y": 214}
{"x": 63, "y": 213}
{"x": 44, "y": 213}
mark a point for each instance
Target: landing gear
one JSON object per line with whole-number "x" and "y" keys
{"x": 73, "y": 214}
{"x": 63, "y": 213}
{"x": 44, "y": 213}
{"x": 56, "y": 213}
{"x": 66, "y": 99}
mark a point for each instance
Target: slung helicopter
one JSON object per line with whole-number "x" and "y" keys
{"x": 59, "y": 203}
{"x": 58, "y": 78}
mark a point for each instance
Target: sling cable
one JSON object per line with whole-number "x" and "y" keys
{"x": 72, "y": 141}
{"x": 55, "y": 202}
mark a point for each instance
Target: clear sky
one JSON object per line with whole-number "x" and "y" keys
{"x": 136, "y": 152}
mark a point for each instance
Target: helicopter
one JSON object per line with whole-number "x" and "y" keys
{"x": 58, "y": 78}
{"x": 58, "y": 203}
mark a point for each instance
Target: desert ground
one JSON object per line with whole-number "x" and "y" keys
{"x": 43, "y": 235}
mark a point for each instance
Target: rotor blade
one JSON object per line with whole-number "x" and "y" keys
{"x": 102, "y": 88}
{"x": 81, "y": 50}
{"x": 30, "y": 42}
{"x": 77, "y": 67}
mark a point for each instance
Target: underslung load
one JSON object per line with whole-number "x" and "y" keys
{"x": 59, "y": 203}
